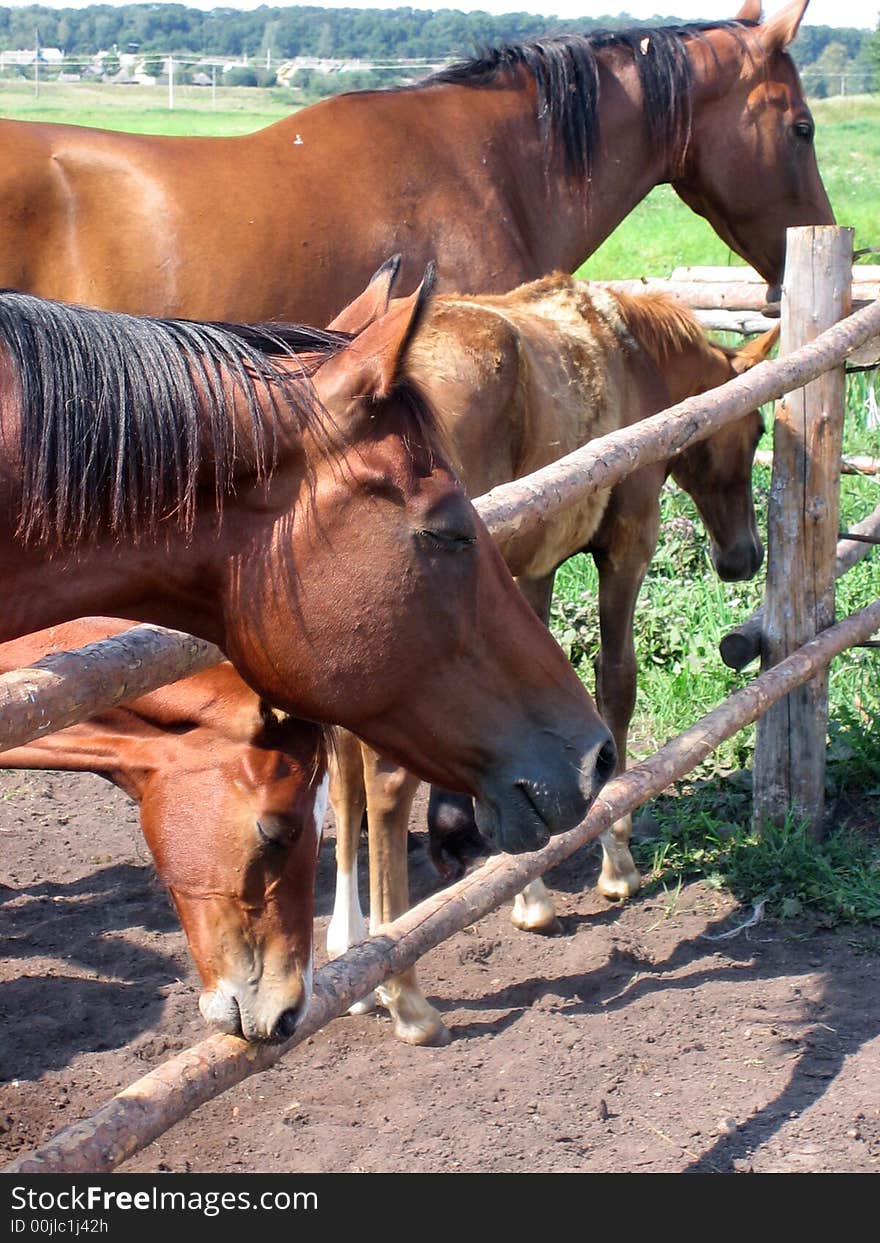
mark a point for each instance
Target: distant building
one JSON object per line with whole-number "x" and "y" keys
{"x": 51, "y": 56}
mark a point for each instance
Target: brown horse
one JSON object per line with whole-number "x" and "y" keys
{"x": 502, "y": 168}
{"x": 175, "y": 472}
{"x": 232, "y": 799}
{"x": 520, "y": 379}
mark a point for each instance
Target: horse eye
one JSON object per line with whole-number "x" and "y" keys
{"x": 274, "y": 831}
{"x": 804, "y": 129}
{"x": 446, "y": 540}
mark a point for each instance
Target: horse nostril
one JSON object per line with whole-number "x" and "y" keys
{"x": 606, "y": 761}
{"x": 287, "y": 1023}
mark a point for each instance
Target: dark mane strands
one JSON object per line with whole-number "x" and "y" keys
{"x": 120, "y": 415}
{"x": 566, "y": 73}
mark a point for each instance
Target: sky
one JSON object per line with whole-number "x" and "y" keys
{"x": 863, "y": 13}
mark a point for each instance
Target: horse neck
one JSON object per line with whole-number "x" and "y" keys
{"x": 174, "y": 584}
{"x": 626, "y": 167}
{"x": 674, "y": 341}
{"x": 693, "y": 368}
{"x": 553, "y": 217}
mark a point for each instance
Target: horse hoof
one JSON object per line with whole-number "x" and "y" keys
{"x": 429, "y": 1031}
{"x": 534, "y": 911}
{"x": 619, "y": 888}
{"x": 541, "y": 926}
{"x": 415, "y": 1021}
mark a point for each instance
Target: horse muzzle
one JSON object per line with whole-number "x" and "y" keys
{"x": 544, "y": 794}
{"x": 256, "y": 1014}
{"x": 740, "y": 562}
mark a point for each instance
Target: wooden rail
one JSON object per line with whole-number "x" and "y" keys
{"x": 64, "y": 688}
{"x": 733, "y": 299}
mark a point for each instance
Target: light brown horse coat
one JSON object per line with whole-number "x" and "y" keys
{"x": 520, "y": 379}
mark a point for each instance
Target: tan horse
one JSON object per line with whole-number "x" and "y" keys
{"x": 502, "y": 169}
{"x": 232, "y": 799}
{"x": 519, "y": 380}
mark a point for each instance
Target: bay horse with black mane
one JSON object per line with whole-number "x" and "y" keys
{"x": 501, "y": 168}
{"x": 232, "y": 798}
{"x": 518, "y": 380}
{"x": 295, "y": 509}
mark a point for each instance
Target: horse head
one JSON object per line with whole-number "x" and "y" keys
{"x": 717, "y": 472}
{"x": 414, "y": 635}
{"x": 749, "y": 165}
{"x": 234, "y": 827}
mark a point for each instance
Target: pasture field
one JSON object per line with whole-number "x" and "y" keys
{"x": 144, "y": 109}
{"x": 677, "y": 631}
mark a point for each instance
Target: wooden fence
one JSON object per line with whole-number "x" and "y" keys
{"x": 147, "y": 1108}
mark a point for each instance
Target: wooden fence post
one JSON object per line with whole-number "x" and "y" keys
{"x": 802, "y": 525}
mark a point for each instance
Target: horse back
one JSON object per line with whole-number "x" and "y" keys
{"x": 523, "y": 378}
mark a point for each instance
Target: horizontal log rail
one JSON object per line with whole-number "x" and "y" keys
{"x": 147, "y": 1108}
{"x": 732, "y": 295}
{"x": 64, "y": 688}
{"x": 711, "y": 274}
{"x": 733, "y": 288}
{"x": 734, "y": 299}
{"x": 849, "y": 465}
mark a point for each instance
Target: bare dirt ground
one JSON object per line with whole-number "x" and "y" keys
{"x": 633, "y": 1041}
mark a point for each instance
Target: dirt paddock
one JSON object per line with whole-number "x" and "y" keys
{"x": 633, "y": 1041}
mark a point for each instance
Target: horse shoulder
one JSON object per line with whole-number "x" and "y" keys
{"x": 467, "y": 361}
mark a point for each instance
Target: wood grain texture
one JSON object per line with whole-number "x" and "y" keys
{"x": 802, "y": 526}
{"x": 66, "y": 687}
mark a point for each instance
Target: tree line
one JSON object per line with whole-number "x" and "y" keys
{"x": 826, "y": 55}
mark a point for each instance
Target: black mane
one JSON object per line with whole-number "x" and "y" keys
{"x": 566, "y": 72}
{"x": 124, "y": 418}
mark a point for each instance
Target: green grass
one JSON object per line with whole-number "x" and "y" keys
{"x": 702, "y": 828}
{"x": 144, "y": 109}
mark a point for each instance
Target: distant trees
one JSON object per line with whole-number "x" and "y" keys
{"x": 828, "y": 56}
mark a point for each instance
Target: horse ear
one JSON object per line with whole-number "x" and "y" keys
{"x": 756, "y": 351}
{"x": 779, "y": 30}
{"x": 372, "y": 303}
{"x": 372, "y": 364}
{"x": 750, "y": 11}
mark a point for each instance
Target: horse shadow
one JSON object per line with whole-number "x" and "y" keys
{"x": 46, "y": 1019}
{"x": 830, "y": 1035}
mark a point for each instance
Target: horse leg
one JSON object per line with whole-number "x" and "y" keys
{"x": 349, "y": 800}
{"x": 622, "y": 551}
{"x": 533, "y": 907}
{"x": 390, "y": 794}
